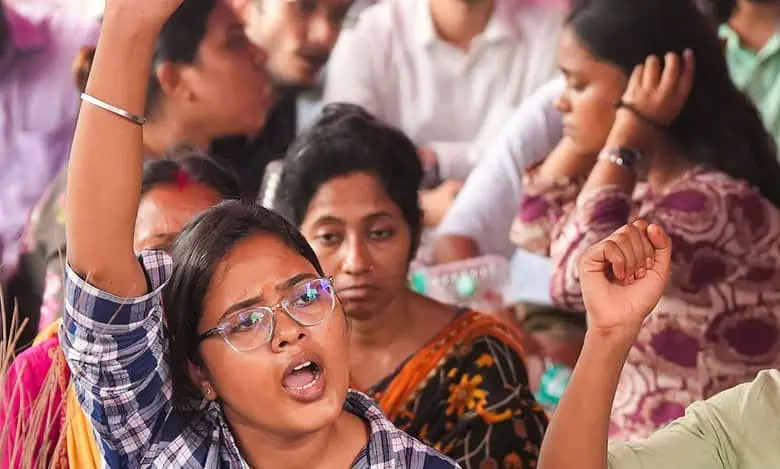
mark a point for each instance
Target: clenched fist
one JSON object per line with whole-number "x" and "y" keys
{"x": 624, "y": 276}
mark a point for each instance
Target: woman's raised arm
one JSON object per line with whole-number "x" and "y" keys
{"x": 104, "y": 173}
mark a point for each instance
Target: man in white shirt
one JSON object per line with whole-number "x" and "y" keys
{"x": 447, "y": 72}
{"x": 480, "y": 219}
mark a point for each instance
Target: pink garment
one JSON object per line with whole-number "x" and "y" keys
{"x": 22, "y": 386}
{"x": 718, "y": 323}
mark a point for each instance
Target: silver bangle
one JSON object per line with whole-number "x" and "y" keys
{"x": 140, "y": 120}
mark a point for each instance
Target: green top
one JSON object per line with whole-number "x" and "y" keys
{"x": 757, "y": 75}
{"x": 737, "y": 429}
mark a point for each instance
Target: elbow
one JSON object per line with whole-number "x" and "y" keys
{"x": 452, "y": 248}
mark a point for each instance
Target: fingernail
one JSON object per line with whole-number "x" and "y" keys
{"x": 640, "y": 273}
{"x": 649, "y": 262}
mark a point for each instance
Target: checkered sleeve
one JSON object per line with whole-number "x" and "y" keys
{"x": 116, "y": 350}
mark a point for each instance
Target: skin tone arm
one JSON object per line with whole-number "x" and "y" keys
{"x": 563, "y": 161}
{"x": 622, "y": 278}
{"x": 659, "y": 92}
{"x": 104, "y": 173}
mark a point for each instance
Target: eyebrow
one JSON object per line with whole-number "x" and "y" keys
{"x": 286, "y": 285}
{"x": 328, "y": 219}
{"x": 376, "y": 215}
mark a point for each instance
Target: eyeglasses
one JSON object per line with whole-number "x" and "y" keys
{"x": 248, "y": 329}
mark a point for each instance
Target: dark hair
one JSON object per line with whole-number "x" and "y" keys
{"x": 191, "y": 168}
{"x": 718, "y": 125}
{"x": 4, "y": 29}
{"x": 196, "y": 252}
{"x": 346, "y": 140}
{"x": 719, "y": 11}
{"x": 178, "y": 42}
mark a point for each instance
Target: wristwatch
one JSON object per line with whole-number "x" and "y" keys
{"x": 624, "y": 157}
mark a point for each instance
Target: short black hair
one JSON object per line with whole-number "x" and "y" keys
{"x": 193, "y": 166}
{"x": 345, "y": 140}
{"x": 196, "y": 252}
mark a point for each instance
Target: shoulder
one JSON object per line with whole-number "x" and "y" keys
{"x": 388, "y": 446}
{"x": 488, "y": 346}
{"x": 538, "y": 17}
{"x": 759, "y": 399}
{"x": 715, "y": 198}
{"x": 31, "y": 366}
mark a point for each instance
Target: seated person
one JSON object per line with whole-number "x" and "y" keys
{"x": 38, "y": 408}
{"x": 736, "y": 429}
{"x": 455, "y": 379}
{"x": 448, "y": 73}
{"x": 686, "y": 150}
{"x": 753, "y": 55}
{"x": 484, "y": 210}
{"x": 178, "y": 358}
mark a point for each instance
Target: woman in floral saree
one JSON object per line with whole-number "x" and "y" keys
{"x": 454, "y": 379}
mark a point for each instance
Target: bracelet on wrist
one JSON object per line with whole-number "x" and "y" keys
{"x": 626, "y": 158}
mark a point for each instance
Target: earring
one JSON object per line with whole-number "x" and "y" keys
{"x": 208, "y": 391}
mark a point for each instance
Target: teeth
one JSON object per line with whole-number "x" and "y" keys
{"x": 302, "y": 366}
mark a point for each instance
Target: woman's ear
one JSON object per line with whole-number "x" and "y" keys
{"x": 200, "y": 378}
{"x": 172, "y": 82}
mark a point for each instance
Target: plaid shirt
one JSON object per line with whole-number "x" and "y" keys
{"x": 116, "y": 349}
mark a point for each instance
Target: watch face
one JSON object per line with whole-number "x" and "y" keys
{"x": 630, "y": 157}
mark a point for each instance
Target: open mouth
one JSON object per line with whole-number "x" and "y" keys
{"x": 304, "y": 379}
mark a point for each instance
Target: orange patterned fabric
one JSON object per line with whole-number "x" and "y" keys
{"x": 466, "y": 394}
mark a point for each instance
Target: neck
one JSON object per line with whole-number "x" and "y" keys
{"x": 162, "y": 134}
{"x": 668, "y": 165}
{"x": 460, "y": 21}
{"x": 755, "y": 22}
{"x": 261, "y": 450}
{"x": 380, "y": 330}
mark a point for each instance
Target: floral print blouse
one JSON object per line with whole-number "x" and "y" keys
{"x": 466, "y": 394}
{"x": 717, "y": 323}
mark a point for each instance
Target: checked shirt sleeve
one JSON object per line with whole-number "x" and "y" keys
{"x": 116, "y": 350}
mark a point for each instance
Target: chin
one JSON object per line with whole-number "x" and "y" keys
{"x": 316, "y": 416}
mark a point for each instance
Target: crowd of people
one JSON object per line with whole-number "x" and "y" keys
{"x": 180, "y": 310}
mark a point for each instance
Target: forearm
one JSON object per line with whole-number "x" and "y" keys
{"x": 452, "y": 248}
{"x": 104, "y": 174}
{"x": 578, "y": 433}
{"x": 625, "y": 133}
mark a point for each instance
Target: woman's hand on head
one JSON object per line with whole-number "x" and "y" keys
{"x": 656, "y": 93}
{"x": 659, "y": 88}
{"x": 623, "y": 278}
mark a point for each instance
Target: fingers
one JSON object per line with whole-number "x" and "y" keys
{"x": 688, "y": 74}
{"x": 652, "y": 72}
{"x": 629, "y": 240}
{"x": 635, "y": 81}
{"x": 672, "y": 70}
{"x": 636, "y": 248}
{"x": 615, "y": 257}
